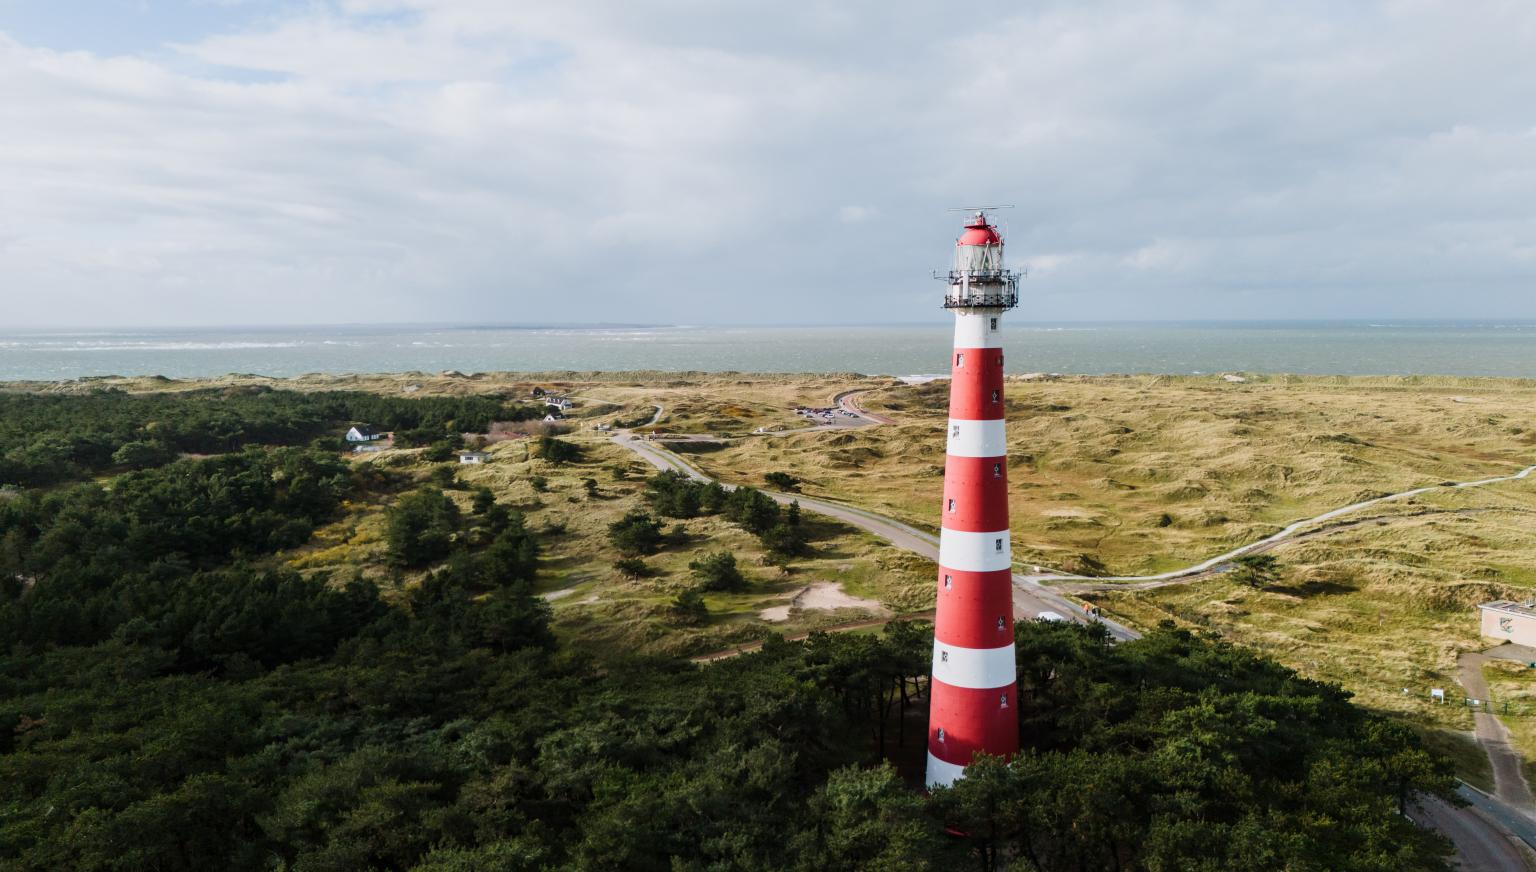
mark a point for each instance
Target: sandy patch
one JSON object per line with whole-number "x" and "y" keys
{"x": 823, "y": 596}
{"x": 559, "y": 594}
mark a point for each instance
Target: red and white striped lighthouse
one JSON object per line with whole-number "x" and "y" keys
{"x": 973, "y": 692}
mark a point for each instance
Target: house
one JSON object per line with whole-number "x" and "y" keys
{"x": 473, "y": 457}
{"x": 363, "y": 433}
{"x": 539, "y": 392}
{"x": 558, "y": 402}
{"x": 1510, "y": 621}
{"x": 553, "y": 416}
{"x": 601, "y": 428}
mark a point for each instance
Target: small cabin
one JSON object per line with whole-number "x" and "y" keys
{"x": 476, "y": 457}
{"x": 1510, "y": 621}
{"x": 363, "y": 433}
{"x": 553, "y": 416}
{"x": 558, "y": 402}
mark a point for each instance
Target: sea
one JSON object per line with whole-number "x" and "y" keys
{"x": 1469, "y": 348}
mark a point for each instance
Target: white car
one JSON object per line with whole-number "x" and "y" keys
{"x": 1051, "y": 616}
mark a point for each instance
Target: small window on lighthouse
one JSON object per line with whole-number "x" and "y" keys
{"x": 951, "y": 505}
{"x": 995, "y": 396}
{"x": 941, "y": 734}
{"x": 1002, "y": 700}
{"x": 997, "y": 470}
{"x": 992, "y": 323}
{"x": 999, "y": 544}
{"x": 959, "y": 360}
{"x": 1000, "y": 623}
{"x": 947, "y": 581}
{"x": 943, "y": 656}
{"x": 954, "y": 430}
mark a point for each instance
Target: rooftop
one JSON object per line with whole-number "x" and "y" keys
{"x": 1526, "y": 609}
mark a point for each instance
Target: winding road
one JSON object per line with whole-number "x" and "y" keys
{"x": 1484, "y": 832}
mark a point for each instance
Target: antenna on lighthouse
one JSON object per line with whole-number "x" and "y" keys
{"x": 977, "y": 208}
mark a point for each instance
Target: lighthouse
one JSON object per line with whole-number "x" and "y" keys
{"x": 973, "y": 696}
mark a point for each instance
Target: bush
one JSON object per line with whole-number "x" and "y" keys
{"x": 783, "y": 481}
{"x": 718, "y": 571}
{"x": 558, "y": 451}
{"x": 635, "y": 534}
{"x": 689, "y": 608}
{"x": 540, "y": 483}
{"x": 632, "y": 567}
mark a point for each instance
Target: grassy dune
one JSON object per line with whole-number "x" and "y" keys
{"x": 594, "y": 604}
{"x": 1097, "y": 463}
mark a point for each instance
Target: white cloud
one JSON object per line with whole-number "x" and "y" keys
{"x": 386, "y": 160}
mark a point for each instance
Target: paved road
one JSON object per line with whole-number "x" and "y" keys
{"x": 1480, "y": 845}
{"x": 1509, "y": 784}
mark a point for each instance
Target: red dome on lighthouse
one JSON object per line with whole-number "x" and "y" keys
{"x": 979, "y": 232}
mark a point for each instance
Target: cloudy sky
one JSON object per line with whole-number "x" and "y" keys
{"x": 171, "y": 162}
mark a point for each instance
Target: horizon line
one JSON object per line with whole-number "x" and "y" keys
{"x": 625, "y": 325}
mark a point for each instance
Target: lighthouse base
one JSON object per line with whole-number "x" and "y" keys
{"x": 942, "y": 774}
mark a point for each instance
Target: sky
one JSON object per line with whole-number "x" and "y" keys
{"x": 219, "y": 162}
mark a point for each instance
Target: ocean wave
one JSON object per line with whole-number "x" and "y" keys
{"x": 146, "y": 346}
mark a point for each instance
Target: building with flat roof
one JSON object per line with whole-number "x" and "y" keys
{"x": 1510, "y": 621}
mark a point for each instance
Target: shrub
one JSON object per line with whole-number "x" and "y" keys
{"x": 718, "y": 571}
{"x": 558, "y": 451}
{"x": 783, "y": 481}
{"x": 632, "y": 567}
{"x": 689, "y": 608}
{"x": 635, "y": 534}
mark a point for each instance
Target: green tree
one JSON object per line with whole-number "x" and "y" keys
{"x": 482, "y": 501}
{"x": 420, "y": 527}
{"x": 635, "y": 534}
{"x": 717, "y": 571}
{"x": 558, "y": 451}
{"x": 143, "y": 454}
{"x": 1256, "y": 570}
{"x": 688, "y": 607}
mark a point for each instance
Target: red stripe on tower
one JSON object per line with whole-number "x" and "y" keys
{"x": 973, "y": 706}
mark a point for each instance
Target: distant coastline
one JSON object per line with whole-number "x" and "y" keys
{"x": 1480, "y": 347}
